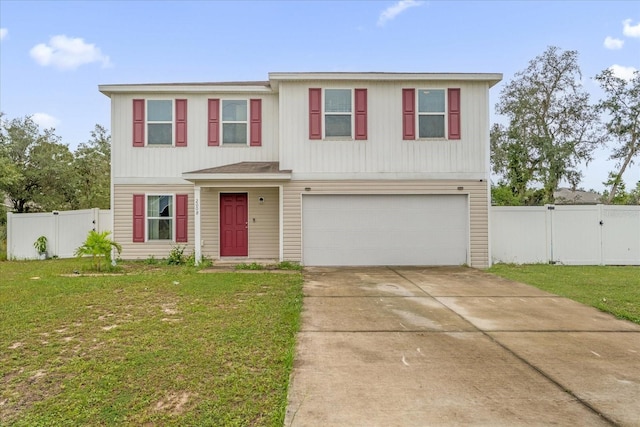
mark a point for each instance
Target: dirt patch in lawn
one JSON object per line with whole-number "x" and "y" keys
{"x": 174, "y": 403}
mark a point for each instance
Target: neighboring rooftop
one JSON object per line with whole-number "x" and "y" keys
{"x": 567, "y": 196}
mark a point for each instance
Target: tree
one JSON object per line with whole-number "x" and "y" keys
{"x": 552, "y": 128}
{"x": 622, "y": 106}
{"x": 93, "y": 167}
{"x": 40, "y": 173}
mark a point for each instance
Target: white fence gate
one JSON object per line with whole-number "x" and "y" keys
{"x": 65, "y": 231}
{"x": 574, "y": 235}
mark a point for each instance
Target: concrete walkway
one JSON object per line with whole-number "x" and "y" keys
{"x": 456, "y": 346}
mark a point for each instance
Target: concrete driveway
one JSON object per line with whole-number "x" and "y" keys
{"x": 456, "y": 346}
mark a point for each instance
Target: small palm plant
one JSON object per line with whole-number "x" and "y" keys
{"x": 99, "y": 246}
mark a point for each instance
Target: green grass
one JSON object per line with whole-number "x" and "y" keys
{"x": 615, "y": 290}
{"x": 158, "y": 345}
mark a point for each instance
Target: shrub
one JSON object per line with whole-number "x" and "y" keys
{"x": 99, "y": 246}
{"x": 176, "y": 256}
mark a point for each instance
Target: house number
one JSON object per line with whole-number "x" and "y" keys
{"x": 197, "y": 201}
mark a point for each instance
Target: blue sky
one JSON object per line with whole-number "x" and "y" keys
{"x": 54, "y": 54}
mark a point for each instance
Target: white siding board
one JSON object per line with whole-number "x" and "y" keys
{"x": 385, "y": 152}
{"x": 136, "y": 162}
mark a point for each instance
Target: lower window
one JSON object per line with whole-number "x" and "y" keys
{"x": 160, "y": 217}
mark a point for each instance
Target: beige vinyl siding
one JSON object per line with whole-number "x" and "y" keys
{"x": 123, "y": 221}
{"x": 385, "y": 155}
{"x": 264, "y": 226}
{"x": 476, "y": 191}
{"x": 263, "y": 233}
{"x": 171, "y": 162}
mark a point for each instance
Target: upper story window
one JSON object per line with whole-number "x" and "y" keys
{"x": 160, "y": 122}
{"x": 437, "y": 110}
{"x": 338, "y": 113}
{"x": 431, "y": 112}
{"x": 234, "y": 122}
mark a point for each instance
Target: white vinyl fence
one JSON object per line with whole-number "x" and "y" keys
{"x": 65, "y": 231}
{"x": 573, "y": 235}
{"x": 577, "y": 234}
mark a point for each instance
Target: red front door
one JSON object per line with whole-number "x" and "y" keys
{"x": 234, "y": 233}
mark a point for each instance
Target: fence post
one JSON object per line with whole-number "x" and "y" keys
{"x": 550, "y": 232}
{"x": 601, "y": 232}
{"x": 9, "y": 236}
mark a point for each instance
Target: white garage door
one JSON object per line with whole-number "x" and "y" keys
{"x": 384, "y": 229}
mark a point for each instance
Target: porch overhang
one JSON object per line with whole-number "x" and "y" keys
{"x": 243, "y": 171}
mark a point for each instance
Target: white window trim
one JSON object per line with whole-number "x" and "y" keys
{"x": 246, "y": 122}
{"x": 172, "y": 122}
{"x": 146, "y": 218}
{"x": 351, "y": 113}
{"x": 444, "y": 114}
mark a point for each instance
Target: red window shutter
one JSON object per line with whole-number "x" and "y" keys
{"x": 256, "y": 122}
{"x": 315, "y": 113}
{"x": 138, "y": 217}
{"x": 361, "y": 113}
{"x": 214, "y": 122}
{"x": 454, "y": 113}
{"x": 138, "y": 122}
{"x": 408, "y": 114}
{"x": 182, "y": 218}
{"x": 181, "y": 122}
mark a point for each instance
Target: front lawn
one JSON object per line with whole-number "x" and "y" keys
{"x": 159, "y": 345}
{"x": 615, "y": 290}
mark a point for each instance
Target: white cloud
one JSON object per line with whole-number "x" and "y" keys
{"x": 630, "y": 30}
{"x": 625, "y": 73}
{"x": 613, "y": 43}
{"x": 67, "y": 53}
{"x": 3, "y": 33}
{"x": 392, "y": 11}
{"x": 44, "y": 120}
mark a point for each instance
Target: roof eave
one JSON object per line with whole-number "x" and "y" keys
{"x": 237, "y": 176}
{"x": 277, "y": 77}
{"x": 108, "y": 89}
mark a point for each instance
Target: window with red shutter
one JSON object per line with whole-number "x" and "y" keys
{"x": 255, "y": 114}
{"x": 182, "y": 218}
{"x": 408, "y": 114}
{"x": 138, "y": 122}
{"x": 361, "y": 114}
{"x": 454, "y": 113}
{"x": 213, "y": 132}
{"x": 181, "y": 122}
{"x": 315, "y": 113}
{"x": 138, "y": 217}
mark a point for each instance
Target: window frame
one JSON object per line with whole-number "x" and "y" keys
{"x": 444, "y": 114}
{"x": 351, "y": 114}
{"x": 147, "y": 122}
{"x": 246, "y": 122}
{"x": 172, "y": 217}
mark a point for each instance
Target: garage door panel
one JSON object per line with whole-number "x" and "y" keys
{"x": 385, "y": 229}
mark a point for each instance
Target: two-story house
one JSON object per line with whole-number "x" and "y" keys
{"x": 320, "y": 168}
